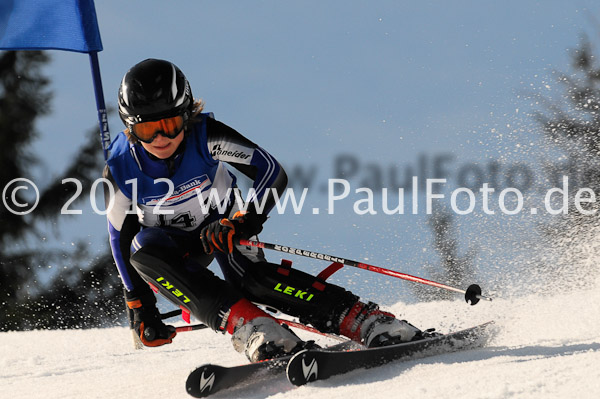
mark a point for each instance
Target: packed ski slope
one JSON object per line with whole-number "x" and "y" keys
{"x": 547, "y": 347}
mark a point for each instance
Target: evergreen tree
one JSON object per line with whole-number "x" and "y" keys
{"x": 571, "y": 123}
{"x": 23, "y": 98}
{"x": 87, "y": 293}
{"x": 454, "y": 269}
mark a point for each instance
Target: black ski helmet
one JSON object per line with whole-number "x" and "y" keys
{"x": 154, "y": 89}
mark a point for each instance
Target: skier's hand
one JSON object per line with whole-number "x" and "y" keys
{"x": 222, "y": 234}
{"x": 148, "y": 325}
{"x": 155, "y": 334}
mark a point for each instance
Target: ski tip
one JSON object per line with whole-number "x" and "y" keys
{"x": 201, "y": 381}
{"x": 490, "y": 330}
{"x": 303, "y": 368}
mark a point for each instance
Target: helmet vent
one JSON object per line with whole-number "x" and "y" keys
{"x": 124, "y": 93}
{"x": 174, "y": 87}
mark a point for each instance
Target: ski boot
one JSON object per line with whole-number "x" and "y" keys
{"x": 259, "y": 335}
{"x": 366, "y": 324}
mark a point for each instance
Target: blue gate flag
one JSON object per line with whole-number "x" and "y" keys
{"x": 49, "y": 24}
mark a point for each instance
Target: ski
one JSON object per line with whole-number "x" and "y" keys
{"x": 314, "y": 364}
{"x": 210, "y": 378}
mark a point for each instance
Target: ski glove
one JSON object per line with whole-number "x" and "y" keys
{"x": 222, "y": 234}
{"x": 148, "y": 325}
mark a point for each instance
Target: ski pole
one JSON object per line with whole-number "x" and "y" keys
{"x": 310, "y": 329}
{"x": 472, "y": 293}
{"x": 193, "y": 327}
{"x": 290, "y": 323}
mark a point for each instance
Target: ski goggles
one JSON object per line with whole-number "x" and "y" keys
{"x": 168, "y": 127}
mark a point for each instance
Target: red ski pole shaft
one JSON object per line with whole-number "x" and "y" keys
{"x": 290, "y": 323}
{"x": 193, "y": 327}
{"x": 310, "y": 329}
{"x": 473, "y": 294}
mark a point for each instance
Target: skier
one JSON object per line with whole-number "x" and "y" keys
{"x": 167, "y": 225}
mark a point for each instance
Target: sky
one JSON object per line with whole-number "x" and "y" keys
{"x": 378, "y": 89}
{"x": 380, "y": 78}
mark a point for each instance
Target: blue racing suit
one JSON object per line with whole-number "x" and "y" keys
{"x": 160, "y": 206}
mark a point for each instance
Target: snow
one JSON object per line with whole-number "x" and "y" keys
{"x": 546, "y": 347}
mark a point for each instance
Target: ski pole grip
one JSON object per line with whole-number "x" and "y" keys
{"x": 249, "y": 243}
